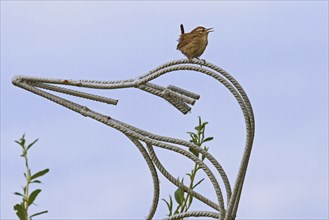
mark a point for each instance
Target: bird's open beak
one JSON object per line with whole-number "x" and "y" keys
{"x": 210, "y": 30}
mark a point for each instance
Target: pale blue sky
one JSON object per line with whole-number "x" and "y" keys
{"x": 277, "y": 50}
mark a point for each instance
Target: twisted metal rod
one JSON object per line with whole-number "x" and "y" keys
{"x": 247, "y": 152}
{"x": 179, "y": 98}
{"x": 202, "y": 165}
{"x": 187, "y": 144}
{"x": 249, "y": 117}
{"x": 194, "y": 214}
{"x": 156, "y": 185}
{"x": 213, "y": 160}
{"x": 176, "y": 181}
{"x": 106, "y": 120}
{"x": 75, "y": 93}
{"x": 117, "y": 125}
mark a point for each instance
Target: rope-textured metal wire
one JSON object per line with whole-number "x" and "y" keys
{"x": 181, "y": 99}
{"x": 193, "y": 214}
{"x": 178, "y": 183}
{"x": 187, "y": 144}
{"x": 156, "y": 191}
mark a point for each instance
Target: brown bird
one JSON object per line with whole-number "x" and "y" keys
{"x": 193, "y": 44}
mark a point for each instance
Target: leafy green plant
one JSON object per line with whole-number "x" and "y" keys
{"x": 27, "y": 197}
{"x": 184, "y": 200}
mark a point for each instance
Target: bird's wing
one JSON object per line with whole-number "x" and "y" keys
{"x": 183, "y": 40}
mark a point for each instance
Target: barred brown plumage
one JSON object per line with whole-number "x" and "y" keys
{"x": 193, "y": 44}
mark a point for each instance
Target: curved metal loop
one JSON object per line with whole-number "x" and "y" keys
{"x": 181, "y": 99}
{"x": 156, "y": 185}
{"x": 176, "y": 182}
{"x": 187, "y": 144}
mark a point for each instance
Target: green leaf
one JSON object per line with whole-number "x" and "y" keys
{"x": 208, "y": 139}
{"x": 20, "y": 144}
{"x": 169, "y": 205}
{"x": 18, "y": 194}
{"x": 202, "y": 126}
{"x": 40, "y": 173}
{"x": 19, "y": 211}
{"x": 179, "y": 196}
{"x": 203, "y": 156}
{"x": 22, "y": 141}
{"x": 32, "y": 196}
{"x": 189, "y": 203}
{"x": 192, "y": 135}
{"x": 196, "y": 153}
{"x": 36, "y": 181}
{"x": 39, "y": 213}
{"x": 30, "y": 145}
{"x": 199, "y": 126}
{"x": 198, "y": 183}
